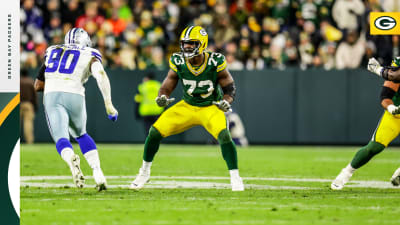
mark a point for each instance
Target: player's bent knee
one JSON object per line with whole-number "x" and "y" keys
{"x": 375, "y": 147}
{"x": 224, "y": 137}
{"x": 86, "y": 143}
{"x": 62, "y": 143}
{"x": 154, "y": 134}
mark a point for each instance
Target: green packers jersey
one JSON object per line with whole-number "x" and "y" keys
{"x": 200, "y": 87}
{"x": 396, "y": 98}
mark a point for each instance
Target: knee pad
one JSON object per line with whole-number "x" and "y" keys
{"x": 154, "y": 134}
{"x": 86, "y": 143}
{"x": 61, "y": 144}
{"x": 374, "y": 148}
{"x": 224, "y": 137}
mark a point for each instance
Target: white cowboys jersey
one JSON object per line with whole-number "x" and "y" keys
{"x": 68, "y": 68}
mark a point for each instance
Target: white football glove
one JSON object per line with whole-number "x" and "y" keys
{"x": 111, "y": 111}
{"x": 374, "y": 66}
{"x": 223, "y": 105}
{"x": 163, "y": 100}
{"x": 394, "y": 110}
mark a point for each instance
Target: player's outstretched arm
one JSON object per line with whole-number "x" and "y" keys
{"x": 104, "y": 85}
{"x": 168, "y": 85}
{"x": 389, "y": 89}
{"x": 225, "y": 80}
{"x": 387, "y": 73}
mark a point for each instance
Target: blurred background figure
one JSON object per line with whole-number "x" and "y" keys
{"x": 146, "y": 106}
{"x": 346, "y": 14}
{"x": 350, "y": 52}
{"x": 28, "y": 106}
{"x": 236, "y": 128}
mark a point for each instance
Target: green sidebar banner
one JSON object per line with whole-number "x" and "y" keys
{"x": 9, "y": 113}
{"x": 9, "y": 133}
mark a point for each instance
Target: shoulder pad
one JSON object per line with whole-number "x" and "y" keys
{"x": 396, "y": 61}
{"x": 175, "y": 61}
{"x": 218, "y": 60}
{"x": 95, "y": 53}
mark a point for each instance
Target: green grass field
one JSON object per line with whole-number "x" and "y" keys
{"x": 190, "y": 185}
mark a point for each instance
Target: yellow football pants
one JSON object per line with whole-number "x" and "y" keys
{"x": 183, "y": 116}
{"x": 387, "y": 130}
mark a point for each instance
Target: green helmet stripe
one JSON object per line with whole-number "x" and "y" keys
{"x": 187, "y": 35}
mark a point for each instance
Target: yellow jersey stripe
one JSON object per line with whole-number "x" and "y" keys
{"x": 172, "y": 66}
{"x": 221, "y": 67}
{"x": 9, "y": 108}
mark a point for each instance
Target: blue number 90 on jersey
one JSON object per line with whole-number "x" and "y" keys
{"x": 55, "y": 61}
{"x": 68, "y": 67}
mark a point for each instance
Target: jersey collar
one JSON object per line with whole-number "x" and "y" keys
{"x": 201, "y": 68}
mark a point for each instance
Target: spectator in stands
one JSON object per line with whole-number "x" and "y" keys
{"x": 31, "y": 18}
{"x": 309, "y": 11}
{"x": 224, "y": 31}
{"x": 345, "y": 13}
{"x": 121, "y": 31}
{"x": 327, "y": 52}
{"x": 232, "y": 63}
{"x": 53, "y": 31}
{"x": 71, "y": 12}
{"x": 290, "y": 55}
{"x": 128, "y": 57}
{"x": 239, "y": 11}
{"x": 157, "y": 59}
{"x": 121, "y": 9}
{"x": 370, "y": 51}
{"x": 28, "y": 106}
{"x": 350, "y": 52}
{"x": 391, "y": 5}
{"x": 255, "y": 62}
{"x": 384, "y": 44}
{"x": 90, "y": 18}
{"x": 118, "y": 24}
{"x": 280, "y": 10}
{"x": 306, "y": 51}
{"x": 52, "y": 7}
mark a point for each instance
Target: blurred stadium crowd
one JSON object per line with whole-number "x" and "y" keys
{"x": 253, "y": 35}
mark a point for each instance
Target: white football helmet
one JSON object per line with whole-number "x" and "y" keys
{"x": 78, "y": 36}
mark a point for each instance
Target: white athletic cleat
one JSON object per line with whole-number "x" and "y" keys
{"x": 142, "y": 178}
{"x": 100, "y": 179}
{"x": 343, "y": 177}
{"x": 237, "y": 183}
{"x": 396, "y": 178}
{"x": 76, "y": 171}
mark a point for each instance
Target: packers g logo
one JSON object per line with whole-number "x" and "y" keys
{"x": 203, "y": 32}
{"x": 385, "y": 23}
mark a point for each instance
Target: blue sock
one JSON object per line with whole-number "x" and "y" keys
{"x": 62, "y": 143}
{"x": 86, "y": 143}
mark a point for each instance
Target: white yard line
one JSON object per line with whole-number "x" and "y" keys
{"x": 170, "y": 182}
{"x": 171, "y": 185}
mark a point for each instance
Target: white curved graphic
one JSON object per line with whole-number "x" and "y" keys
{"x": 13, "y": 178}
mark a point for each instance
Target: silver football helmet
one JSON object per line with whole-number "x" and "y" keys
{"x": 78, "y": 36}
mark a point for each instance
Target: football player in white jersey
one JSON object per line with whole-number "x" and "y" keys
{"x": 66, "y": 68}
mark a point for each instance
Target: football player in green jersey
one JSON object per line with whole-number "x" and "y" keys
{"x": 388, "y": 127}
{"x": 201, "y": 74}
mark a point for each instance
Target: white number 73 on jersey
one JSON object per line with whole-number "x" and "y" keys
{"x": 193, "y": 84}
